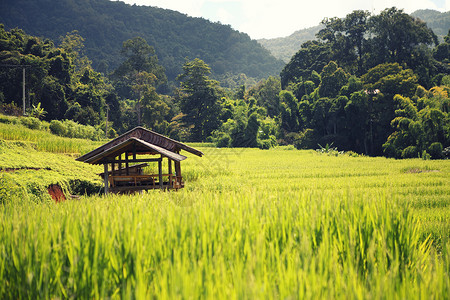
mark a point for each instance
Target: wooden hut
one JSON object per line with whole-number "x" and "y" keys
{"x": 123, "y": 160}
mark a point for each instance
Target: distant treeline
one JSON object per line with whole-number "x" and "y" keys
{"x": 372, "y": 84}
{"x": 285, "y": 47}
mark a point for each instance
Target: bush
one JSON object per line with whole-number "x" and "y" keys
{"x": 306, "y": 139}
{"x": 435, "y": 150}
{"x": 267, "y": 143}
{"x": 10, "y": 190}
{"x": 391, "y": 151}
{"x": 410, "y": 152}
{"x": 425, "y": 155}
{"x": 223, "y": 140}
{"x": 57, "y": 127}
{"x": 264, "y": 144}
{"x": 84, "y": 187}
{"x": 6, "y": 119}
{"x": 31, "y": 122}
{"x": 10, "y": 109}
{"x": 71, "y": 129}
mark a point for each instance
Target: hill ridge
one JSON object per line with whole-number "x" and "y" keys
{"x": 285, "y": 47}
{"x": 105, "y": 25}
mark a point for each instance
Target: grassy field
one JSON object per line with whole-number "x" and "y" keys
{"x": 250, "y": 224}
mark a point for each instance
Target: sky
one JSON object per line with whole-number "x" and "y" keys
{"x": 280, "y": 18}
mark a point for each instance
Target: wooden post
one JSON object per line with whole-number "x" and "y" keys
{"x": 178, "y": 173}
{"x": 120, "y": 164}
{"x": 126, "y": 164}
{"x": 105, "y": 177}
{"x": 170, "y": 173}
{"x": 160, "y": 172}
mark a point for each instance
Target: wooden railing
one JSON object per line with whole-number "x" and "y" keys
{"x": 146, "y": 181}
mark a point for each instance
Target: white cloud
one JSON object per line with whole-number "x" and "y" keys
{"x": 268, "y": 18}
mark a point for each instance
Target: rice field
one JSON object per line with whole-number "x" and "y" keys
{"x": 249, "y": 224}
{"x": 45, "y": 141}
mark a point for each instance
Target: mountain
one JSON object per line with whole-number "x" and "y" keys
{"x": 437, "y": 21}
{"x": 284, "y": 48}
{"x": 105, "y": 25}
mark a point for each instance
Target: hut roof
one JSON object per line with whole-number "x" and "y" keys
{"x": 141, "y": 147}
{"x": 151, "y": 142}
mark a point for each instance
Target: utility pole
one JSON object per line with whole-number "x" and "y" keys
{"x": 23, "y": 80}
{"x": 107, "y": 113}
{"x": 23, "y": 89}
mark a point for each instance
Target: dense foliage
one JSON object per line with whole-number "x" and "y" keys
{"x": 59, "y": 80}
{"x": 285, "y": 47}
{"x": 106, "y": 24}
{"x": 372, "y": 84}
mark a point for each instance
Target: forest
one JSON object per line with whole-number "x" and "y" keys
{"x": 371, "y": 84}
{"x": 285, "y": 47}
{"x": 106, "y": 24}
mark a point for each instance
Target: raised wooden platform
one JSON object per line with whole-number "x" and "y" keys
{"x": 120, "y": 183}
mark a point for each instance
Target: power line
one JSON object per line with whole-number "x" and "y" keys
{"x": 15, "y": 66}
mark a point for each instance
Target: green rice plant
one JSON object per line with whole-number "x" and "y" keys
{"x": 24, "y": 168}
{"x": 45, "y": 141}
{"x": 249, "y": 224}
{"x": 297, "y": 245}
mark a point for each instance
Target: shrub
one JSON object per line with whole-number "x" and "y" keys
{"x": 57, "y": 127}
{"x": 84, "y": 187}
{"x": 306, "y": 139}
{"x": 10, "y": 109}
{"x": 264, "y": 144}
{"x": 410, "y": 152}
{"x": 435, "y": 150}
{"x": 425, "y": 155}
{"x": 10, "y": 190}
{"x": 223, "y": 140}
{"x": 31, "y": 122}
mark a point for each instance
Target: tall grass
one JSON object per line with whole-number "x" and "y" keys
{"x": 45, "y": 141}
{"x": 259, "y": 245}
{"x": 250, "y": 224}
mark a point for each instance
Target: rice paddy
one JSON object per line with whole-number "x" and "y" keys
{"x": 249, "y": 224}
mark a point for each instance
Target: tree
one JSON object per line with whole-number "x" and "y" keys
{"x": 333, "y": 79}
{"x": 396, "y": 35}
{"x": 199, "y": 99}
{"x": 138, "y": 79}
{"x": 357, "y": 119}
{"x": 442, "y": 51}
{"x": 139, "y": 57}
{"x": 289, "y": 112}
{"x": 356, "y": 27}
{"x": 312, "y": 56}
{"x": 388, "y": 79}
{"x": 73, "y": 44}
{"x": 143, "y": 87}
{"x": 266, "y": 94}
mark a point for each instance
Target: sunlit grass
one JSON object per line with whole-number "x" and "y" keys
{"x": 45, "y": 141}
{"x": 249, "y": 224}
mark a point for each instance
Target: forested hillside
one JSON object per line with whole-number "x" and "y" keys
{"x": 285, "y": 47}
{"x": 437, "y": 21}
{"x": 372, "y": 84}
{"x": 105, "y": 25}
